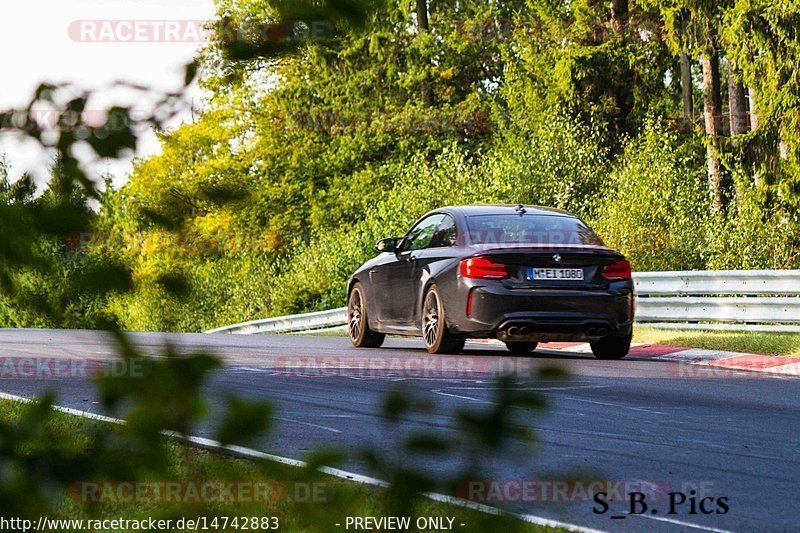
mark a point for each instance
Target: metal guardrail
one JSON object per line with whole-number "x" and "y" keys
{"x": 735, "y": 282}
{"x": 289, "y": 324}
{"x": 728, "y": 300}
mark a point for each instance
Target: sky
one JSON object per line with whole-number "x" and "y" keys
{"x": 92, "y": 43}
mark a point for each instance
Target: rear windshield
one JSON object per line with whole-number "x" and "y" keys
{"x": 530, "y": 229}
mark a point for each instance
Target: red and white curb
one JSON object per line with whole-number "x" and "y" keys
{"x": 769, "y": 364}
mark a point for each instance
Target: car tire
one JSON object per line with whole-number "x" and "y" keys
{"x": 357, "y": 324}
{"x": 437, "y": 337}
{"x": 521, "y": 348}
{"x": 612, "y": 347}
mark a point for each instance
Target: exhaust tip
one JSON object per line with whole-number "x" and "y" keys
{"x": 513, "y": 331}
{"x": 591, "y": 332}
{"x": 602, "y": 332}
{"x": 523, "y": 331}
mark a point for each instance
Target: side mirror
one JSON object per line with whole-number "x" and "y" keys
{"x": 386, "y": 245}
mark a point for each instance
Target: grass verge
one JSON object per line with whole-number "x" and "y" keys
{"x": 744, "y": 341}
{"x": 195, "y": 484}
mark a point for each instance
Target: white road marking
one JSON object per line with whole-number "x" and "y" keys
{"x": 607, "y": 404}
{"x": 574, "y": 387}
{"x": 696, "y": 354}
{"x": 789, "y": 369}
{"x": 334, "y": 430}
{"x": 682, "y": 523}
{"x": 442, "y": 393}
{"x": 414, "y": 378}
{"x": 580, "y": 348}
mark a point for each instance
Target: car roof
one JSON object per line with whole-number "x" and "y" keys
{"x": 505, "y": 209}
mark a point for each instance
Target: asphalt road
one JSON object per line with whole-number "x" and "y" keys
{"x": 677, "y": 427}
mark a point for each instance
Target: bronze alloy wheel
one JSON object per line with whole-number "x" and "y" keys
{"x": 357, "y": 325}
{"x": 438, "y": 339}
{"x": 430, "y": 320}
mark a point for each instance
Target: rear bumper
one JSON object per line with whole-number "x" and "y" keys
{"x": 546, "y": 314}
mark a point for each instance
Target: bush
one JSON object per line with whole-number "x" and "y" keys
{"x": 655, "y": 206}
{"x": 557, "y": 163}
{"x": 755, "y": 234}
{"x": 315, "y": 276}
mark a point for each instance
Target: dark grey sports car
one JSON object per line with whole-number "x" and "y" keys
{"x": 521, "y": 274}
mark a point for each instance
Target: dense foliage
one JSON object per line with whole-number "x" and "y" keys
{"x": 323, "y": 134}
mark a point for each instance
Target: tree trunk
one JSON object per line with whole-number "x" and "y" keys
{"x": 736, "y": 103}
{"x": 422, "y": 26}
{"x": 751, "y": 93}
{"x": 619, "y": 15}
{"x": 623, "y": 88}
{"x": 687, "y": 89}
{"x": 783, "y": 149}
{"x": 712, "y": 112}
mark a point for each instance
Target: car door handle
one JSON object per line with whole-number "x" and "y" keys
{"x": 412, "y": 258}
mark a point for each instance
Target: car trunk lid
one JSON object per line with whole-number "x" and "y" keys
{"x": 576, "y": 267}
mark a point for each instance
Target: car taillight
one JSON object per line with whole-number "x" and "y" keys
{"x": 483, "y": 268}
{"x": 617, "y": 271}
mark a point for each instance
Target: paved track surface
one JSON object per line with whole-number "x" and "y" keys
{"x": 680, "y": 426}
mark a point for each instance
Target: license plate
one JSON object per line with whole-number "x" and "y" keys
{"x": 563, "y": 274}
